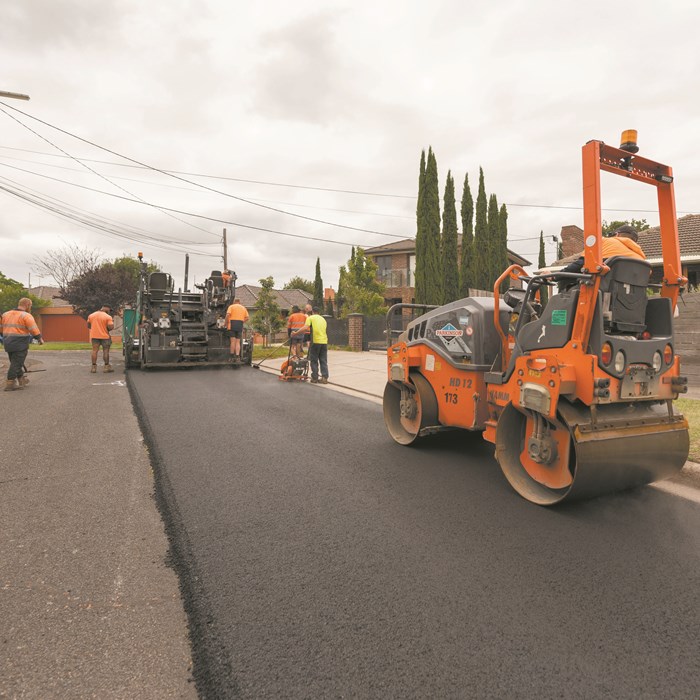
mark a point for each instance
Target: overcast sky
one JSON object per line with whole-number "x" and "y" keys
{"x": 326, "y": 96}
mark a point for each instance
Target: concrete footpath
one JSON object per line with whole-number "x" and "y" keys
{"x": 88, "y": 605}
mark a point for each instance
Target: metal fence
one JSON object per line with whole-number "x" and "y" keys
{"x": 337, "y": 331}
{"x": 374, "y": 333}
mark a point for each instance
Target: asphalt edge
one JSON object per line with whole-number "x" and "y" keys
{"x": 204, "y": 645}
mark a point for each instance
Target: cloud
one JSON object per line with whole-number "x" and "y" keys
{"x": 300, "y": 74}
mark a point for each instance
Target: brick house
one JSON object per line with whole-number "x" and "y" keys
{"x": 396, "y": 268}
{"x": 58, "y": 322}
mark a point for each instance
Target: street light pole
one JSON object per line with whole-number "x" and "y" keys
{"x": 15, "y": 95}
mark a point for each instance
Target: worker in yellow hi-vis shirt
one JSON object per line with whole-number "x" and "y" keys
{"x": 318, "y": 352}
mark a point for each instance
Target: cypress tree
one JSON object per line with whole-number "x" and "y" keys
{"x": 466, "y": 275}
{"x": 419, "y": 282}
{"x": 541, "y": 262}
{"x": 481, "y": 238}
{"x": 493, "y": 248}
{"x": 318, "y": 287}
{"x": 431, "y": 217}
{"x": 450, "y": 265}
{"x": 503, "y": 243}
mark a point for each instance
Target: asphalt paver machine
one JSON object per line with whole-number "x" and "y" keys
{"x": 176, "y": 328}
{"x": 578, "y": 397}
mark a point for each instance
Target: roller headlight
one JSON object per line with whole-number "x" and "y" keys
{"x": 656, "y": 361}
{"x": 619, "y": 361}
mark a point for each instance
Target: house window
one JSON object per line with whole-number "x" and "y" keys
{"x": 411, "y": 271}
{"x": 383, "y": 267}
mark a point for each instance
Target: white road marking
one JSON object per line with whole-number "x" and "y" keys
{"x": 119, "y": 382}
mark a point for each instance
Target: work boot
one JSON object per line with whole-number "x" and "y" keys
{"x": 314, "y": 380}
{"x": 324, "y": 380}
{"x": 108, "y": 368}
{"x": 23, "y": 381}
{"x": 93, "y": 369}
{"x": 10, "y": 385}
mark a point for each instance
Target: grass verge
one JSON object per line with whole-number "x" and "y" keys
{"x": 690, "y": 408}
{"x": 68, "y": 345}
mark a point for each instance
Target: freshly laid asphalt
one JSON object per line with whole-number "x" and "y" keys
{"x": 315, "y": 557}
{"x": 319, "y": 559}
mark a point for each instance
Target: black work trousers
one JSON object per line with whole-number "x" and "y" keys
{"x": 318, "y": 353}
{"x": 17, "y": 358}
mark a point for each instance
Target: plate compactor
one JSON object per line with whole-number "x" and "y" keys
{"x": 576, "y": 397}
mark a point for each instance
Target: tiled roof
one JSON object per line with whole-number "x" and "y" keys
{"x": 688, "y": 236}
{"x": 408, "y": 245}
{"x": 285, "y": 298}
{"x": 50, "y": 293}
{"x": 404, "y": 246}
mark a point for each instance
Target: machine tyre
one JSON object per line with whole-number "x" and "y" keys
{"x": 404, "y": 430}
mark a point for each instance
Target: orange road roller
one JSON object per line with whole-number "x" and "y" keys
{"x": 577, "y": 397}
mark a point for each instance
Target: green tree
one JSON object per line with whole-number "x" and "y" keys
{"x": 267, "y": 318}
{"x": 362, "y": 291}
{"x": 467, "y": 213}
{"x": 481, "y": 238}
{"x": 432, "y": 281}
{"x": 318, "y": 287}
{"x": 133, "y": 267}
{"x": 11, "y": 291}
{"x": 541, "y": 263}
{"x": 329, "y": 308}
{"x": 493, "y": 248}
{"x": 109, "y": 285}
{"x": 420, "y": 292}
{"x": 503, "y": 261}
{"x": 300, "y": 283}
{"x": 450, "y": 264}
{"x": 637, "y": 224}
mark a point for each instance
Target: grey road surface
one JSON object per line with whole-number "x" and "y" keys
{"x": 319, "y": 559}
{"x": 89, "y": 607}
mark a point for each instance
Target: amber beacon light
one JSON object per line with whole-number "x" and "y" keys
{"x": 628, "y": 141}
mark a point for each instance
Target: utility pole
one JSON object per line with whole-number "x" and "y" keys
{"x": 14, "y": 95}
{"x": 225, "y": 252}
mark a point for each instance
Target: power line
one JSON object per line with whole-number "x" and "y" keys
{"x": 87, "y": 167}
{"x": 224, "y": 177}
{"x": 86, "y": 222}
{"x": 193, "y": 189}
{"x": 307, "y": 187}
{"x": 199, "y": 216}
{"x": 143, "y": 233}
{"x": 197, "y": 184}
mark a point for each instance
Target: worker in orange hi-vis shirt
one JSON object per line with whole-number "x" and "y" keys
{"x": 17, "y": 328}
{"x": 236, "y": 316}
{"x": 295, "y": 322}
{"x": 100, "y": 324}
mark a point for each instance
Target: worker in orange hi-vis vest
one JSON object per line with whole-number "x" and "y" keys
{"x": 100, "y": 324}
{"x": 295, "y": 322}
{"x": 236, "y": 316}
{"x": 17, "y": 328}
